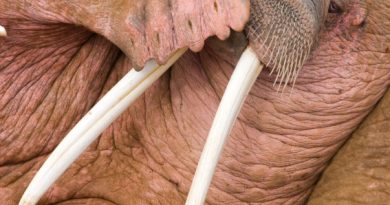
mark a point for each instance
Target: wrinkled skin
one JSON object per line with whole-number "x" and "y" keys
{"x": 360, "y": 171}
{"x": 51, "y": 74}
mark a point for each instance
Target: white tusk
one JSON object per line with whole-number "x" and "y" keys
{"x": 243, "y": 77}
{"x": 3, "y": 32}
{"x": 115, "y": 102}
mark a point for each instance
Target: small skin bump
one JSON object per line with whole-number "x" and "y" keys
{"x": 358, "y": 16}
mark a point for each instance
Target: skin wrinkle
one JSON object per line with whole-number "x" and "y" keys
{"x": 35, "y": 110}
{"x": 97, "y": 201}
{"x": 52, "y": 111}
{"x": 372, "y": 143}
{"x": 8, "y": 179}
{"x": 32, "y": 110}
{"x": 174, "y": 116}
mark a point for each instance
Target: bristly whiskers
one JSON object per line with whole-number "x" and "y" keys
{"x": 282, "y": 36}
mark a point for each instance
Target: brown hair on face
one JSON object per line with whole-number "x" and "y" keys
{"x": 284, "y": 32}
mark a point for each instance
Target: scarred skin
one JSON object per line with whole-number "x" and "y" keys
{"x": 52, "y": 73}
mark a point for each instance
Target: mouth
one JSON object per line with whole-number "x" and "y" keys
{"x": 286, "y": 61}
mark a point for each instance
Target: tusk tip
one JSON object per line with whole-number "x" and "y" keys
{"x": 3, "y": 32}
{"x": 26, "y": 203}
{"x": 28, "y": 200}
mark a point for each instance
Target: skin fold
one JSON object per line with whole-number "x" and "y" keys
{"x": 52, "y": 70}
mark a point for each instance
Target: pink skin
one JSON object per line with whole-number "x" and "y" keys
{"x": 141, "y": 29}
{"x": 277, "y": 149}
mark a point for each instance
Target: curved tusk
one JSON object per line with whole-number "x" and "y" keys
{"x": 243, "y": 77}
{"x": 3, "y": 32}
{"x": 115, "y": 102}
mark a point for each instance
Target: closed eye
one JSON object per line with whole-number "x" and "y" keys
{"x": 334, "y": 8}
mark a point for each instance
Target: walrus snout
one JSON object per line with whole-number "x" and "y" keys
{"x": 283, "y": 33}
